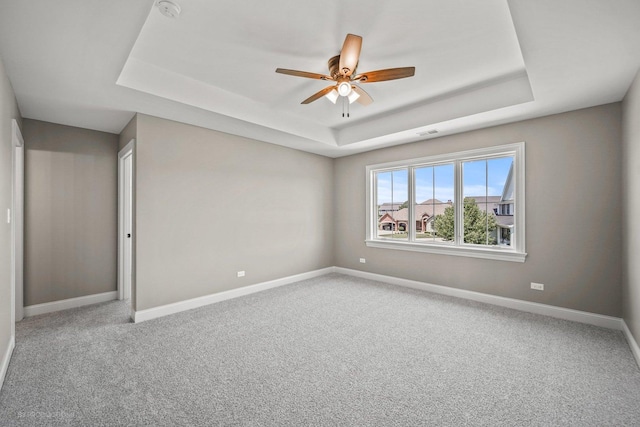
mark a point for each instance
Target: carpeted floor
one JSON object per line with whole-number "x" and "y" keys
{"x": 334, "y": 350}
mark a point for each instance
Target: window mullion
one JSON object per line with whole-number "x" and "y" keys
{"x": 411, "y": 226}
{"x": 373, "y": 209}
{"x": 486, "y": 202}
{"x": 458, "y": 204}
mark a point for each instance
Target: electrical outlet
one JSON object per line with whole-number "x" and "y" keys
{"x": 537, "y": 286}
{"x": 363, "y": 261}
{"x": 240, "y": 273}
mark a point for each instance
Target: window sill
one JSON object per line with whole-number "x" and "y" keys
{"x": 486, "y": 253}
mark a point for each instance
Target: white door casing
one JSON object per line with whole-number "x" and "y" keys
{"x": 17, "y": 226}
{"x": 125, "y": 220}
{"x": 127, "y": 227}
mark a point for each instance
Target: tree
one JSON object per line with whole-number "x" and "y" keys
{"x": 444, "y": 224}
{"x": 476, "y": 224}
{"x": 404, "y": 205}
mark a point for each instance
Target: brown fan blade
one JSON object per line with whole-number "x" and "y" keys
{"x": 318, "y": 95}
{"x": 364, "y": 98}
{"x": 303, "y": 74}
{"x": 383, "y": 75}
{"x": 350, "y": 54}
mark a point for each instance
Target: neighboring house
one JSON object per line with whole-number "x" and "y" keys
{"x": 503, "y": 210}
{"x": 388, "y": 208}
{"x": 425, "y": 213}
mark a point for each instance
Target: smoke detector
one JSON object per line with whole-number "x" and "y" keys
{"x": 168, "y": 8}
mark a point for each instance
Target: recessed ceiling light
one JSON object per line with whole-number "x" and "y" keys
{"x": 168, "y": 8}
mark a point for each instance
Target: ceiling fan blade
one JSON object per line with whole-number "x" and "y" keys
{"x": 364, "y": 98}
{"x": 350, "y": 54}
{"x": 383, "y": 75}
{"x": 303, "y": 74}
{"x": 318, "y": 95}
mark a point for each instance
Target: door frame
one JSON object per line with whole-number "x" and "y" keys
{"x": 127, "y": 150}
{"x": 16, "y": 218}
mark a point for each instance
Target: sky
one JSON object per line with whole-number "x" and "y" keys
{"x": 437, "y": 181}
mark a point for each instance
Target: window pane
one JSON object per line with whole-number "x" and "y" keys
{"x": 484, "y": 205}
{"x": 434, "y": 189}
{"x": 392, "y": 196}
{"x": 501, "y": 185}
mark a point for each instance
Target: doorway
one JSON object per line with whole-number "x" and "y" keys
{"x": 125, "y": 221}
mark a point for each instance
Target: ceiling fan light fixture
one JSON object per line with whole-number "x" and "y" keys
{"x": 332, "y": 96}
{"x": 344, "y": 89}
{"x": 353, "y": 96}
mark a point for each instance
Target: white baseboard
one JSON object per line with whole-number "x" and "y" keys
{"x": 530, "y": 307}
{"x": 632, "y": 342}
{"x": 50, "y": 307}
{"x": 164, "y": 310}
{"x": 5, "y": 360}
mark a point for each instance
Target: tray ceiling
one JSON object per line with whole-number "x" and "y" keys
{"x": 93, "y": 64}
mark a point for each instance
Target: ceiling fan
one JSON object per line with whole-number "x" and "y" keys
{"x": 342, "y": 71}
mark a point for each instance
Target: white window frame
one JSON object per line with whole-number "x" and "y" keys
{"x": 516, "y": 252}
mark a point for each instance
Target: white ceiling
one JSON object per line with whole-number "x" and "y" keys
{"x": 93, "y": 64}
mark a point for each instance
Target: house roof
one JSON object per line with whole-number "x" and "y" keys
{"x": 486, "y": 202}
{"x": 387, "y": 218}
{"x": 420, "y": 211}
{"x": 389, "y": 205}
{"x": 504, "y": 220}
{"x": 485, "y": 199}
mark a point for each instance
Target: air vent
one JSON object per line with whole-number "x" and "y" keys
{"x": 168, "y": 8}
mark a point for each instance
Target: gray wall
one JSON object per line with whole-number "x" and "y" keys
{"x": 209, "y": 204}
{"x": 573, "y": 213}
{"x": 128, "y": 133}
{"x": 631, "y": 186}
{"x": 70, "y": 212}
{"x": 8, "y": 111}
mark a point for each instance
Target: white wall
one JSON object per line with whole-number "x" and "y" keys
{"x": 631, "y": 185}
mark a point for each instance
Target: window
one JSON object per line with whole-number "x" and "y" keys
{"x": 468, "y": 204}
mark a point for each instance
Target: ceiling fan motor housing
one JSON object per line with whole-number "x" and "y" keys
{"x": 334, "y": 63}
